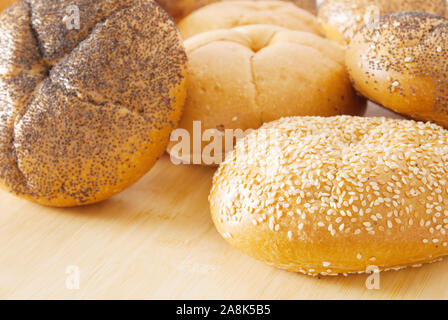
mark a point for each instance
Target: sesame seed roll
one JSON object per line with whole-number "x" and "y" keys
{"x": 336, "y": 195}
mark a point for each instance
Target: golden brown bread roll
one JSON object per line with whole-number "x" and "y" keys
{"x": 85, "y": 112}
{"x": 401, "y": 64}
{"x": 240, "y": 78}
{"x": 342, "y": 19}
{"x": 336, "y": 195}
{"x": 179, "y": 9}
{"x": 230, "y": 14}
{"x": 5, "y": 4}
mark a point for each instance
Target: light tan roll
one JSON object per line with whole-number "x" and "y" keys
{"x": 179, "y": 9}
{"x": 229, "y": 14}
{"x": 336, "y": 195}
{"x": 240, "y": 78}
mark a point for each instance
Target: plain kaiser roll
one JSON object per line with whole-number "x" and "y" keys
{"x": 402, "y": 64}
{"x": 342, "y": 19}
{"x": 240, "y": 78}
{"x": 230, "y": 14}
{"x": 85, "y": 112}
{"x": 336, "y": 195}
{"x": 179, "y": 9}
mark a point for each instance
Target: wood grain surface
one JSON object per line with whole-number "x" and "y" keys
{"x": 156, "y": 240}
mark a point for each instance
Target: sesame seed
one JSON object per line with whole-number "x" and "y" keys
{"x": 319, "y": 172}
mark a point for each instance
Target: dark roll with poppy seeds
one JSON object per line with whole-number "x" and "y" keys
{"x": 85, "y": 112}
{"x": 402, "y": 64}
{"x": 342, "y": 19}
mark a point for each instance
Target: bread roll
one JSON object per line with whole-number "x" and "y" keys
{"x": 85, "y": 112}
{"x": 179, "y": 9}
{"x": 336, "y": 195}
{"x": 240, "y": 78}
{"x": 402, "y": 64}
{"x": 5, "y": 4}
{"x": 229, "y": 14}
{"x": 342, "y": 19}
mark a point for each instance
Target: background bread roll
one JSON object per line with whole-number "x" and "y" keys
{"x": 336, "y": 195}
{"x": 229, "y": 14}
{"x": 5, "y": 4}
{"x": 342, "y": 19}
{"x": 240, "y": 78}
{"x": 402, "y": 64}
{"x": 179, "y": 9}
{"x": 85, "y": 112}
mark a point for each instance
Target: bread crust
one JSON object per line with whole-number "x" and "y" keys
{"x": 240, "y": 78}
{"x": 401, "y": 64}
{"x": 5, "y": 4}
{"x": 179, "y": 9}
{"x": 342, "y": 19}
{"x": 336, "y": 195}
{"x": 230, "y": 14}
{"x": 85, "y": 113}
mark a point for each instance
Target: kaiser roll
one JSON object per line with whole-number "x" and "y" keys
{"x": 85, "y": 108}
{"x": 240, "y": 78}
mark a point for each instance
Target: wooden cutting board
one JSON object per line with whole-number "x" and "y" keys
{"x": 156, "y": 240}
